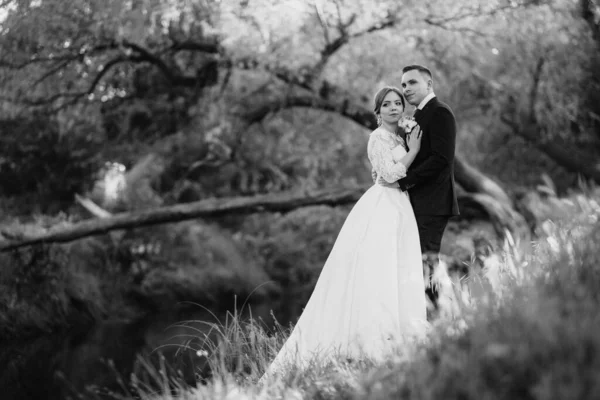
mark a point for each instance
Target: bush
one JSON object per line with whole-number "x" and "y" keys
{"x": 293, "y": 248}
{"x": 39, "y": 159}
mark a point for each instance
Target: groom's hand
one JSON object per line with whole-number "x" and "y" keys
{"x": 383, "y": 182}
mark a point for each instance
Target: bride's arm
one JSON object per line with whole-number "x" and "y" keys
{"x": 383, "y": 160}
{"x": 398, "y": 152}
{"x": 399, "y": 155}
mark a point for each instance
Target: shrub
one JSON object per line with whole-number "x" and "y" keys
{"x": 40, "y": 159}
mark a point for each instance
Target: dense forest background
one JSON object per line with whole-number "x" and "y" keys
{"x": 254, "y": 116}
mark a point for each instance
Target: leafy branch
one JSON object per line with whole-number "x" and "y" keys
{"x": 525, "y": 125}
{"x": 344, "y": 36}
{"x": 448, "y": 23}
{"x": 128, "y": 53}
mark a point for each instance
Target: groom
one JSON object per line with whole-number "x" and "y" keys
{"x": 430, "y": 179}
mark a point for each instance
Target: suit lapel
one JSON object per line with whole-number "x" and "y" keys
{"x": 423, "y": 115}
{"x": 423, "y": 118}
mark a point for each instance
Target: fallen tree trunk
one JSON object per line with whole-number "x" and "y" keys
{"x": 472, "y": 206}
{"x": 279, "y": 202}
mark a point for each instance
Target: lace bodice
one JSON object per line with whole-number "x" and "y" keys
{"x": 379, "y": 150}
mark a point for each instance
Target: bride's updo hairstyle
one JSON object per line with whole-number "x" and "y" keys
{"x": 381, "y": 95}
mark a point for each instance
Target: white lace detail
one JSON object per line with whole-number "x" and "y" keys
{"x": 379, "y": 150}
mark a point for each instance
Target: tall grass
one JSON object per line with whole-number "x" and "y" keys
{"x": 527, "y": 327}
{"x": 536, "y": 339}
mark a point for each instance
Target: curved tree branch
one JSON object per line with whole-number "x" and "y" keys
{"x": 59, "y": 66}
{"x": 146, "y": 55}
{"x": 308, "y": 75}
{"x": 208, "y": 47}
{"x": 466, "y": 175}
{"x": 476, "y": 12}
{"x": 105, "y": 68}
{"x": 448, "y": 22}
{"x": 525, "y": 125}
{"x": 138, "y": 54}
{"x": 562, "y": 153}
{"x": 343, "y": 107}
{"x": 331, "y": 47}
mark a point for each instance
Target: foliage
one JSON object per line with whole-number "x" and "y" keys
{"x": 49, "y": 288}
{"x": 140, "y": 72}
{"x": 548, "y": 77}
{"x": 44, "y": 289}
{"x": 38, "y": 158}
{"x": 293, "y": 249}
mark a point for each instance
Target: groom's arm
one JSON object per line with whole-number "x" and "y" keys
{"x": 442, "y": 135}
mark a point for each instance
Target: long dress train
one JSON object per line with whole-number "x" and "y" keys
{"x": 370, "y": 294}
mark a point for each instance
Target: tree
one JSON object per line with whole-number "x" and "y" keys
{"x": 111, "y": 52}
{"x": 547, "y": 82}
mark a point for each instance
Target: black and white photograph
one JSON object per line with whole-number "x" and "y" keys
{"x": 299, "y": 199}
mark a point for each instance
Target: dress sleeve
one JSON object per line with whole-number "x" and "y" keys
{"x": 380, "y": 155}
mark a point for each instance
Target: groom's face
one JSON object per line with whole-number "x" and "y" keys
{"x": 415, "y": 86}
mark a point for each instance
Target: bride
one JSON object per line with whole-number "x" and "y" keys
{"x": 370, "y": 295}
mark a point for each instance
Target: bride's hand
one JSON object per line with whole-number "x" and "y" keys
{"x": 413, "y": 141}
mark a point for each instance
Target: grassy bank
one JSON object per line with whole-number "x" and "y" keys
{"x": 527, "y": 328}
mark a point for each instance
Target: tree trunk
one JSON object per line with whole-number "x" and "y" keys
{"x": 573, "y": 160}
{"x": 525, "y": 125}
{"x": 475, "y": 206}
{"x": 279, "y": 202}
{"x": 474, "y": 181}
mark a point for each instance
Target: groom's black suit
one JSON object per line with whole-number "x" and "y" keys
{"x": 430, "y": 178}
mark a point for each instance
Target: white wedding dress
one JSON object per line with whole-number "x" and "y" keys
{"x": 370, "y": 295}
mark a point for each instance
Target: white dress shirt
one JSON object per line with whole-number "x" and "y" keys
{"x": 425, "y": 100}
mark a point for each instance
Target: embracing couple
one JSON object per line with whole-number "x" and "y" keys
{"x": 370, "y": 297}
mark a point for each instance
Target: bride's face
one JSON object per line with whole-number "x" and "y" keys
{"x": 391, "y": 108}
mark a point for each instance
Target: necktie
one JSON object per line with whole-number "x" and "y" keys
{"x": 416, "y": 113}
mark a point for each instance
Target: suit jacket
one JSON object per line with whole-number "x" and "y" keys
{"x": 430, "y": 178}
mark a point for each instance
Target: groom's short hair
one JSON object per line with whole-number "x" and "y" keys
{"x": 420, "y": 68}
